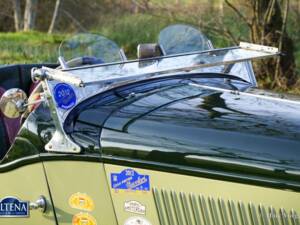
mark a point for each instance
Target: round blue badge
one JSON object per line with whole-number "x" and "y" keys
{"x": 64, "y": 96}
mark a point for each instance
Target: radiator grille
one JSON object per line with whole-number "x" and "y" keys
{"x": 178, "y": 208}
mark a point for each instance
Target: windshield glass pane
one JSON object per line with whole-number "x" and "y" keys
{"x": 90, "y": 45}
{"x": 197, "y": 62}
{"x": 181, "y": 38}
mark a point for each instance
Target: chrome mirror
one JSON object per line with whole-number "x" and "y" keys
{"x": 13, "y": 103}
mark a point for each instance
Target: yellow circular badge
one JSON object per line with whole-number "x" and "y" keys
{"x": 83, "y": 219}
{"x": 81, "y": 201}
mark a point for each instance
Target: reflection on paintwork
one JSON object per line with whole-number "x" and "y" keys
{"x": 206, "y": 122}
{"x": 35, "y": 132}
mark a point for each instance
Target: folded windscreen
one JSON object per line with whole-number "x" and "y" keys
{"x": 98, "y": 78}
{"x": 203, "y": 61}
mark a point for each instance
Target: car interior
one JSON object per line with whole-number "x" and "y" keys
{"x": 14, "y": 76}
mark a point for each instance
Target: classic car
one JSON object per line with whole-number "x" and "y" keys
{"x": 179, "y": 136}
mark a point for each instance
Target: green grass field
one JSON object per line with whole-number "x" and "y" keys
{"x": 33, "y": 47}
{"x": 37, "y": 47}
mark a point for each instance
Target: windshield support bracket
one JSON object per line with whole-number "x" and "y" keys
{"x": 60, "y": 141}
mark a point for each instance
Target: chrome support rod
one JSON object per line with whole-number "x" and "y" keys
{"x": 46, "y": 73}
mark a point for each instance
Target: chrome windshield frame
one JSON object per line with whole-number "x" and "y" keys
{"x": 84, "y": 89}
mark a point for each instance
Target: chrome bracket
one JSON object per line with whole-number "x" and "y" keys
{"x": 60, "y": 141}
{"x": 260, "y": 48}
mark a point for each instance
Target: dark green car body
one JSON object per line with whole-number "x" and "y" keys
{"x": 183, "y": 136}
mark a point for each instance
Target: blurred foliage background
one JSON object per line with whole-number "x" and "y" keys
{"x": 31, "y": 30}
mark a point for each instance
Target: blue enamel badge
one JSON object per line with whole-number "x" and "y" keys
{"x": 129, "y": 179}
{"x": 64, "y": 96}
{"x": 13, "y": 207}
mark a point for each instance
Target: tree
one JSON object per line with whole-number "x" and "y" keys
{"x": 17, "y": 14}
{"x": 54, "y": 17}
{"x": 30, "y": 14}
{"x": 266, "y": 20}
{"x": 217, "y": 6}
{"x": 140, "y": 5}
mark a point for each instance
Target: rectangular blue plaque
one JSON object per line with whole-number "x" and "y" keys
{"x": 129, "y": 179}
